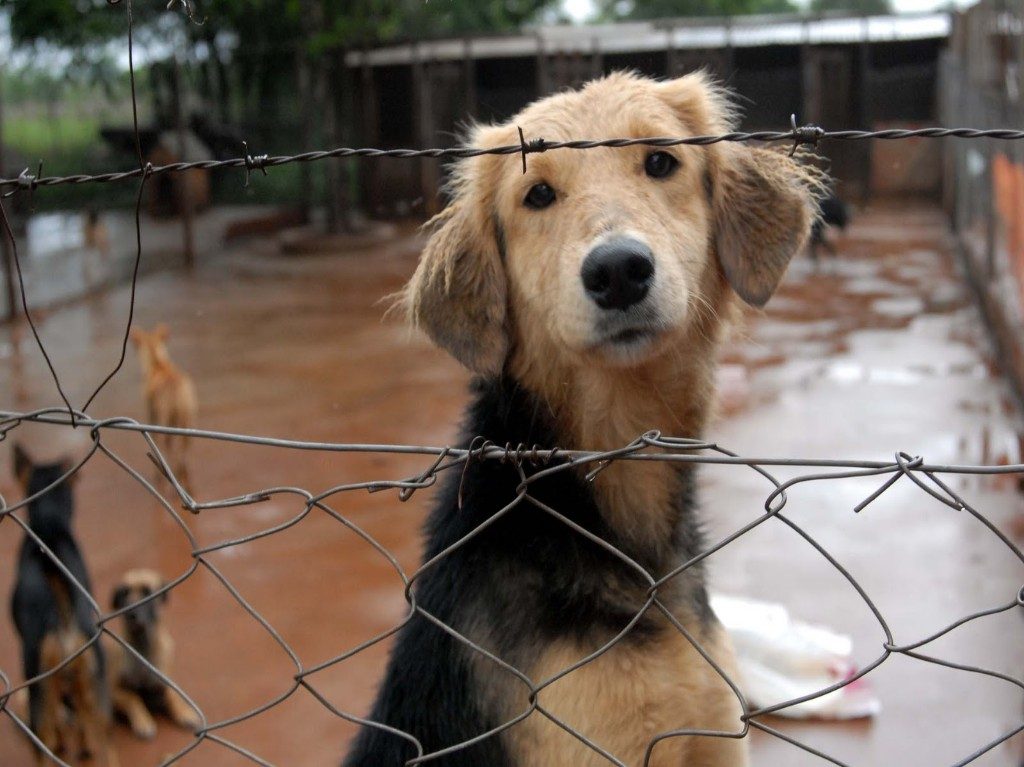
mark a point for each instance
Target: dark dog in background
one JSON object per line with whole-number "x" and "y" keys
{"x": 54, "y": 620}
{"x": 138, "y": 693}
{"x": 833, "y": 212}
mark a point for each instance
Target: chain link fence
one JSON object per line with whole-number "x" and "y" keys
{"x": 529, "y": 464}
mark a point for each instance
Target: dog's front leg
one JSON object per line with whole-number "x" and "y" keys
{"x": 131, "y": 707}
{"x": 180, "y": 711}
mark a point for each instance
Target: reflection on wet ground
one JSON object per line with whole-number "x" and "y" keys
{"x": 877, "y": 351}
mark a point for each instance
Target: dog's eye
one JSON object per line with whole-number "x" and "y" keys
{"x": 660, "y": 164}
{"x": 540, "y": 196}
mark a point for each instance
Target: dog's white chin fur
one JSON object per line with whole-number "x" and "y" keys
{"x": 626, "y": 353}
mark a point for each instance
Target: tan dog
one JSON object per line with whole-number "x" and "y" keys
{"x": 169, "y": 393}
{"x": 589, "y": 295}
{"x": 136, "y": 692}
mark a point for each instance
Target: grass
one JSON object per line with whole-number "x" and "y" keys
{"x": 39, "y": 136}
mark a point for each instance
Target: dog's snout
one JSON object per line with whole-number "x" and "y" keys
{"x": 618, "y": 274}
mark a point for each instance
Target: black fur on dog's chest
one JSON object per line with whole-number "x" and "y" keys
{"x": 513, "y": 587}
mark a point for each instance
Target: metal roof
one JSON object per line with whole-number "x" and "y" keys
{"x": 683, "y": 34}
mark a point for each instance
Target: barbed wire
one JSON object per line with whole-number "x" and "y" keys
{"x": 530, "y": 464}
{"x": 806, "y": 134}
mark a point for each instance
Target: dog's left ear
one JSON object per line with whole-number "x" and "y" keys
{"x": 763, "y": 204}
{"x": 458, "y": 292}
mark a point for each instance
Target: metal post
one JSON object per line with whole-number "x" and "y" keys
{"x": 469, "y": 76}
{"x": 543, "y": 82}
{"x": 596, "y": 58}
{"x": 671, "y": 65}
{"x": 11, "y": 311}
{"x": 305, "y": 126}
{"x": 421, "y": 73}
{"x": 184, "y": 193}
{"x": 865, "y": 108}
{"x": 373, "y": 197}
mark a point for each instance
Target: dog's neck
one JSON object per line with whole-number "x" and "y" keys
{"x": 604, "y": 408}
{"x": 154, "y": 359}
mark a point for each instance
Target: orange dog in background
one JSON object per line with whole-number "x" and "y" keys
{"x": 169, "y": 393}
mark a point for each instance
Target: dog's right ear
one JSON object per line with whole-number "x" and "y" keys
{"x": 458, "y": 292}
{"x": 763, "y": 204}
{"x": 22, "y": 465}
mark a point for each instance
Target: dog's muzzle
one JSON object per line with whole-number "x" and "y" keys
{"x": 618, "y": 274}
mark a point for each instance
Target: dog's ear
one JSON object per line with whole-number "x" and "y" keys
{"x": 120, "y": 597}
{"x": 22, "y": 465}
{"x": 137, "y": 335}
{"x": 164, "y": 595}
{"x": 458, "y": 292}
{"x": 763, "y": 204}
{"x": 700, "y": 103}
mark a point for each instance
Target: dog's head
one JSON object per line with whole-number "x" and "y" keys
{"x": 135, "y": 586}
{"x": 49, "y": 514}
{"x": 151, "y": 344}
{"x": 607, "y": 256}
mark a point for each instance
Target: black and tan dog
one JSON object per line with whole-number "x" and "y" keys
{"x": 138, "y": 693}
{"x": 589, "y": 296}
{"x": 70, "y": 707}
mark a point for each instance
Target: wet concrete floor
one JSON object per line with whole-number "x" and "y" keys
{"x": 878, "y": 350}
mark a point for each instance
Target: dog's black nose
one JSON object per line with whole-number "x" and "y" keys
{"x": 618, "y": 273}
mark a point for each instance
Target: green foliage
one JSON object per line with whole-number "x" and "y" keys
{"x": 317, "y": 23}
{"x": 66, "y": 23}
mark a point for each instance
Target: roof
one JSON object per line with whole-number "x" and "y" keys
{"x": 682, "y": 34}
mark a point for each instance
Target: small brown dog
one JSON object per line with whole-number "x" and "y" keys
{"x": 169, "y": 393}
{"x": 137, "y": 692}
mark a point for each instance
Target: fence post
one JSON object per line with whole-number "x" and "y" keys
{"x": 184, "y": 190}
{"x": 422, "y": 92}
{"x": 596, "y": 57}
{"x": 866, "y": 71}
{"x": 543, "y": 81}
{"x": 372, "y": 196}
{"x": 469, "y": 76}
{"x": 305, "y": 125}
{"x": 11, "y": 311}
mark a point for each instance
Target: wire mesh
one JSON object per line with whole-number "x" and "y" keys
{"x": 532, "y": 463}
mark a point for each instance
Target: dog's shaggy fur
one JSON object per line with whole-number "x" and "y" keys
{"x": 499, "y": 286}
{"x": 137, "y": 692}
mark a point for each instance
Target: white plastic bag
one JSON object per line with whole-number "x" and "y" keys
{"x": 780, "y": 659}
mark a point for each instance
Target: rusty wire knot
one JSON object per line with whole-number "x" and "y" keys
{"x": 257, "y": 162}
{"x": 529, "y": 147}
{"x": 804, "y": 134}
